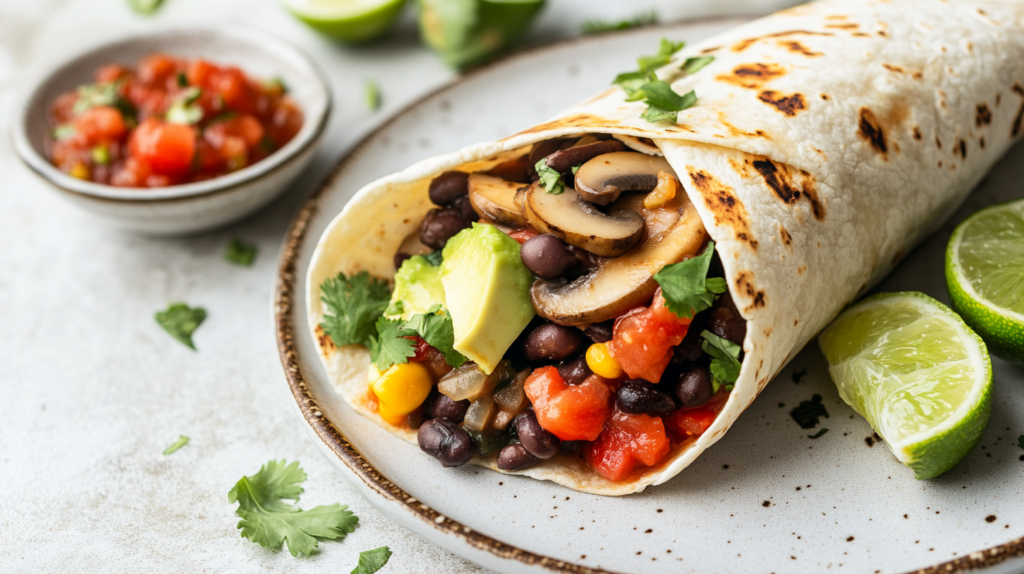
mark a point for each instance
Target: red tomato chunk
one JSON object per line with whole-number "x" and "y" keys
{"x": 628, "y": 440}
{"x": 643, "y": 340}
{"x": 690, "y": 422}
{"x": 169, "y": 121}
{"x": 569, "y": 412}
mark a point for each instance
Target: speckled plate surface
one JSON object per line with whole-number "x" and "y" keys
{"x": 765, "y": 499}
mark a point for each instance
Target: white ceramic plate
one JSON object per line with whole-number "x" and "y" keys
{"x": 764, "y": 499}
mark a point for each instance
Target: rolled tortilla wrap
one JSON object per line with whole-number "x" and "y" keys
{"x": 827, "y": 140}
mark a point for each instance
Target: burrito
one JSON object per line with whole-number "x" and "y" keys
{"x": 595, "y": 300}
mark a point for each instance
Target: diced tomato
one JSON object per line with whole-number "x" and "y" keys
{"x": 642, "y": 341}
{"x": 421, "y": 349}
{"x": 63, "y": 107}
{"x": 690, "y": 422}
{"x": 569, "y": 412}
{"x": 149, "y": 100}
{"x": 200, "y": 72}
{"x": 243, "y": 126}
{"x": 627, "y": 440}
{"x": 167, "y": 148}
{"x": 287, "y": 122}
{"x": 231, "y": 84}
{"x": 157, "y": 69}
{"x": 100, "y": 124}
{"x": 111, "y": 73}
{"x": 523, "y": 235}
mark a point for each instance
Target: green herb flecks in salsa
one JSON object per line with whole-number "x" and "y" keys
{"x": 598, "y": 26}
{"x": 240, "y": 253}
{"x": 550, "y": 179}
{"x": 687, "y": 288}
{"x": 180, "y": 321}
{"x": 725, "y": 366}
{"x": 371, "y": 561}
{"x": 182, "y": 441}
{"x": 808, "y": 413}
{"x": 184, "y": 110}
{"x": 354, "y": 303}
{"x": 269, "y": 521}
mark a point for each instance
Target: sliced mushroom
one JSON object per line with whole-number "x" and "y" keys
{"x": 602, "y": 179}
{"x": 564, "y": 160}
{"x": 517, "y": 170}
{"x": 493, "y": 199}
{"x": 642, "y": 145}
{"x": 674, "y": 232}
{"x": 578, "y": 223}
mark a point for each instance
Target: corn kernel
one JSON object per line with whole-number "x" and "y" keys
{"x": 664, "y": 192}
{"x": 601, "y": 361}
{"x": 80, "y": 171}
{"x": 401, "y": 389}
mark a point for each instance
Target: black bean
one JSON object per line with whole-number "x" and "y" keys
{"x": 552, "y": 343}
{"x": 693, "y": 387}
{"x": 547, "y": 256}
{"x": 537, "y": 441}
{"x": 643, "y": 399}
{"x": 575, "y": 371}
{"x": 571, "y": 446}
{"x": 448, "y": 186}
{"x": 465, "y": 208}
{"x": 400, "y": 259}
{"x": 564, "y": 160}
{"x": 440, "y": 225}
{"x": 443, "y": 407}
{"x": 600, "y": 332}
{"x": 446, "y": 441}
{"x": 725, "y": 320}
{"x": 515, "y": 457}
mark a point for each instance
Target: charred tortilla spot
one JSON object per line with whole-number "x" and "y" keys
{"x": 326, "y": 344}
{"x": 736, "y": 132}
{"x": 788, "y": 105}
{"x": 801, "y": 270}
{"x": 744, "y": 44}
{"x": 779, "y": 179}
{"x": 745, "y": 286}
{"x": 961, "y": 146}
{"x": 981, "y": 142}
{"x": 710, "y": 50}
{"x": 983, "y": 117}
{"x": 917, "y": 75}
{"x": 917, "y": 133}
{"x": 999, "y": 99}
{"x": 787, "y": 239}
{"x": 753, "y": 76}
{"x": 938, "y": 142}
{"x": 824, "y": 97}
{"x": 871, "y": 130}
{"x": 722, "y": 201}
{"x": 849, "y": 26}
{"x": 892, "y": 68}
{"x": 798, "y": 48}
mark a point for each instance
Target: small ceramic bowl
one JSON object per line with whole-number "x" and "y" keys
{"x": 189, "y": 207}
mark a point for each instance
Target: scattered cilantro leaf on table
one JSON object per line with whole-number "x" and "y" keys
{"x": 145, "y": 7}
{"x": 725, "y": 364}
{"x": 550, "y": 179}
{"x": 269, "y": 521}
{"x": 798, "y": 375}
{"x": 180, "y": 321}
{"x": 808, "y": 413}
{"x": 438, "y": 331}
{"x": 182, "y": 441}
{"x": 371, "y": 95}
{"x": 355, "y": 304}
{"x": 240, "y": 253}
{"x": 818, "y": 434}
{"x": 686, "y": 286}
{"x": 598, "y": 26}
{"x": 390, "y": 346}
{"x": 371, "y": 561}
{"x": 1020, "y": 441}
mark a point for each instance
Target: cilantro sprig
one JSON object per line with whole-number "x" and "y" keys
{"x": 807, "y": 414}
{"x": 182, "y": 441}
{"x": 371, "y": 561}
{"x": 663, "y": 103}
{"x": 550, "y": 179}
{"x": 598, "y": 26}
{"x": 240, "y": 253}
{"x": 687, "y": 288}
{"x": 184, "y": 110}
{"x": 270, "y": 521}
{"x": 725, "y": 364}
{"x": 355, "y": 303}
{"x": 180, "y": 321}
{"x": 391, "y": 346}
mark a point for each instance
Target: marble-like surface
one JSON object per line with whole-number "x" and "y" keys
{"x": 92, "y": 390}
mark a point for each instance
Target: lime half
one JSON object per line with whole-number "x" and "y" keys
{"x": 985, "y": 275}
{"x": 350, "y": 21}
{"x": 917, "y": 373}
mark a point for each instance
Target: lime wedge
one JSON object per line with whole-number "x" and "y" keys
{"x": 985, "y": 276}
{"x": 917, "y": 373}
{"x": 350, "y": 21}
{"x": 467, "y": 32}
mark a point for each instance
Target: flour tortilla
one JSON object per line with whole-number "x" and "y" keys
{"x": 826, "y": 142}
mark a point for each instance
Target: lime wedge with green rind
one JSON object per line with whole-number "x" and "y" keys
{"x": 985, "y": 276}
{"x": 919, "y": 375}
{"x": 351, "y": 21}
{"x": 467, "y": 32}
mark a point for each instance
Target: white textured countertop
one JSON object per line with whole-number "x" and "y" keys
{"x": 92, "y": 390}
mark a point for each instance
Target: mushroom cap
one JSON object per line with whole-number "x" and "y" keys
{"x": 602, "y": 179}
{"x": 493, "y": 199}
{"x": 580, "y": 224}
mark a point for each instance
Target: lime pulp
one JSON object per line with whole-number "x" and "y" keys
{"x": 351, "y": 21}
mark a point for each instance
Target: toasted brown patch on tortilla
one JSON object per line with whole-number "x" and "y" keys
{"x": 961, "y": 146}
{"x": 798, "y": 48}
{"x": 983, "y": 117}
{"x": 722, "y": 201}
{"x": 788, "y": 105}
{"x": 740, "y": 167}
{"x": 782, "y": 183}
{"x": 324, "y": 340}
{"x": 744, "y": 44}
{"x": 710, "y": 50}
{"x": 824, "y": 97}
{"x": 938, "y": 142}
{"x": 871, "y": 130}
{"x": 847, "y": 26}
{"x": 883, "y": 33}
{"x": 574, "y": 121}
{"x": 823, "y": 154}
{"x": 917, "y": 133}
{"x": 893, "y": 68}
{"x": 981, "y": 142}
{"x": 999, "y": 99}
{"x": 787, "y": 239}
{"x": 745, "y": 285}
{"x": 1019, "y": 90}
{"x": 917, "y": 75}
{"x": 752, "y": 76}
{"x": 737, "y": 132}
{"x": 801, "y": 270}
{"x": 837, "y": 17}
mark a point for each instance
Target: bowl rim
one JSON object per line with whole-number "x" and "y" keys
{"x": 315, "y": 118}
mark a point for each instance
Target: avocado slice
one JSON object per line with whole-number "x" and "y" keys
{"x": 417, "y": 288}
{"x": 488, "y": 292}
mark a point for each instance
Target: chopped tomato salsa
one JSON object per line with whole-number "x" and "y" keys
{"x": 169, "y": 121}
{"x": 643, "y": 340}
{"x": 627, "y": 441}
{"x": 569, "y": 412}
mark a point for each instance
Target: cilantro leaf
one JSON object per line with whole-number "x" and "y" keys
{"x": 818, "y": 434}
{"x": 654, "y": 114}
{"x": 145, "y": 7}
{"x": 808, "y": 412}
{"x": 696, "y": 64}
{"x": 663, "y": 103}
{"x": 240, "y": 253}
{"x": 687, "y": 288}
{"x": 184, "y": 109}
{"x": 664, "y": 55}
{"x": 439, "y": 332}
{"x": 355, "y": 304}
{"x": 180, "y": 321}
{"x": 371, "y": 95}
{"x": 725, "y": 366}
{"x": 182, "y": 441}
{"x": 64, "y": 131}
{"x": 269, "y": 521}
{"x": 390, "y": 346}
{"x": 371, "y": 561}
{"x": 598, "y": 26}
{"x": 631, "y": 82}
{"x": 550, "y": 179}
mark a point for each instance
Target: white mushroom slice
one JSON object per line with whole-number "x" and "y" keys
{"x": 602, "y": 179}
{"x": 493, "y": 198}
{"x": 580, "y": 224}
{"x": 637, "y": 144}
{"x": 674, "y": 233}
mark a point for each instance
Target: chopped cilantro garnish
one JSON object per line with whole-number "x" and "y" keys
{"x": 240, "y": 253}
{"x": 597, "y": 26}
{"x": 371, "y": 561}
{"x": 182, "y": 441}
{"x": 725, "y": 364}
{"x": 270, "y": 522}
{"x": 145, "y": 7}
{"x": 182, "y": 80}
{"x": 436, "y": 328}
{"x": 390, "y": 346}
{"x": 550, "y": 179}
{"x": 687, "y": 288}
{"x": 104, "y": 94}
{"x": 818, "y": 434}
{"x": 665, "y": 52}
{"x": 808, "y": 412}
{"x": 63, "y": 132}
{"x": 183, "y": 110}
{"x": 355, "y": 304}
{"x": 275, "y": 83}
{"x": 663, "y": 103}
{"x": 371, "y": 95}
{"x": 180, "y": 321}
{"x": 576, "y": 168}
{"x": 696, "y": 64}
